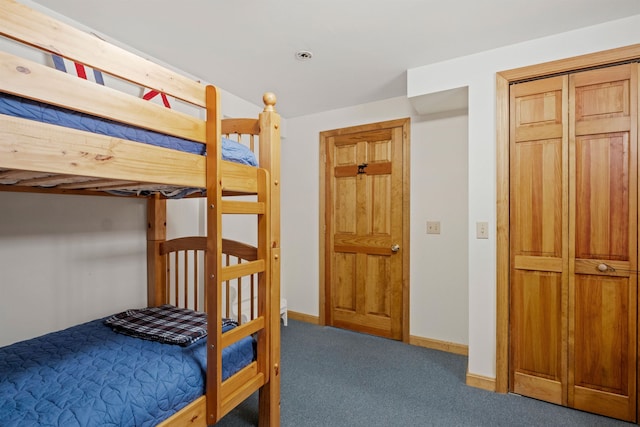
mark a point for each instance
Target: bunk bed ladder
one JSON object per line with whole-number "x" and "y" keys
{"x": 213, "y": 265}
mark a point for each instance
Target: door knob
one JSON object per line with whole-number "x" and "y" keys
{"x": 604, "y": 267}
{"x": 395, "y": 248}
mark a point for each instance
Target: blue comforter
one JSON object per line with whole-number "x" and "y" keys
{"x": 89, "y": 375}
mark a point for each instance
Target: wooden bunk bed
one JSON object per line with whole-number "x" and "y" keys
{"x": 45, "y": 157}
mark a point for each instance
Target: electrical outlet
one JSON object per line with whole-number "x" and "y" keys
{"x": 433, "y": 227}
{"x": 482, "y": 230}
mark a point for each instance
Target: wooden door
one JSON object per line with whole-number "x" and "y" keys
{"x": 603, "y": 241}
{"x": 573, "y": 240}
{"x": 539, "y": 251}
{"x": 365, "y": 242}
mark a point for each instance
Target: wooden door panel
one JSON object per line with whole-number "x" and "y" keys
{"x": 602, "y": 101}
{"x": 537, "y": 210}
{"x": 610, "y": 405}
{"x": 344, "y": 281}
{"x": 379, "y": 209}
{"x": 363, "y": 135}
{"x": 345, "y": 205}
{"x": 603, "y": 241}
{"x": 538, "y": 235}
{"x": 378, "y": 245}
{"x": 602, "y": 196}
{"x": 537, "y": 335}
{"x": 605, "y": 347}
{"x": 602, "y": 333}
{"x": 367, "y": 323}
{"x": 602, "y": 94}
{"x": 380, "y": 150}
{"x": 376, "y": 283}
{"x": 345, "y": 154}
{"x": 345, "y": 159}
{"x": 538, "y": 110}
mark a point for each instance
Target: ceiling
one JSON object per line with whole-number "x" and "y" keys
{"x": 361, "y": 48}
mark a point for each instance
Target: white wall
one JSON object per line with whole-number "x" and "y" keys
{"x": 438, "y": 192}
{"x": 478, "y": 73}
{"x": 68, "y": 259}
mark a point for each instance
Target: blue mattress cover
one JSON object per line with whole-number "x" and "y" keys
{"x": 28, "y": 109}
{"x": 89, "y": 375}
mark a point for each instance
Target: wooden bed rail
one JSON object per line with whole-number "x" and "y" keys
{"x": 28, "y": 26}
{"x": 183, "y": 258}
{"x": 28, "y": 79}
{"x": 229, "y": 247}
{"x": 238, "y": 129}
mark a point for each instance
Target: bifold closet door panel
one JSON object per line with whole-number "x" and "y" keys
{"x": 603, "y": 241}
{"x": 538, "y": 233}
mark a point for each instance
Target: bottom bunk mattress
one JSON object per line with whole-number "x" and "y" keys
{"x": 89, "y": 375}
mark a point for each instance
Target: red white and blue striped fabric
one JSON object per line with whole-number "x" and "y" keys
{"x": 80, "y": 70}
{"x": 153, "y": 93}
{"x": 84, "y": 72}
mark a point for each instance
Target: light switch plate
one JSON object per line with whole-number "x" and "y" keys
{"x": 482, "y": 230}
{"x": 433, "y": 227}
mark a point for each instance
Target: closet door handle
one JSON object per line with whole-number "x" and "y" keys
{"x": 604, "y": 268}
{"x": 395, "y": 248}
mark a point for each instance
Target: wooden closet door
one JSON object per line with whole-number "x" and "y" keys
{"x": 603, "y": 241}
{"x": 538, "y": 232}
{"x": 573, "y": 240}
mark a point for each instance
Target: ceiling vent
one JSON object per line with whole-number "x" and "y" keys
{"x": 304, "y": 55}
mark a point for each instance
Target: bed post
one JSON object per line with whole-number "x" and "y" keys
{"x": 156, "y": 264}
{"x": 213, "y": 256}
{"x": 270, "y": 159}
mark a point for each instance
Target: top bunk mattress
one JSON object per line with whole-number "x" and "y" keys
{"x": 89, "y": 375}
{"x": 29, "y": 109}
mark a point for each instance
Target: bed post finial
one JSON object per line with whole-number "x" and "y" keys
{"x": 269, "y": 99}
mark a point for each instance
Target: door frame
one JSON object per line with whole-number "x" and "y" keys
{"x": 406, "y": 177}
{"x": 503, "y": 80}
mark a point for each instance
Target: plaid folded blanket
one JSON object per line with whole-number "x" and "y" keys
{"x": 167, "y": 324}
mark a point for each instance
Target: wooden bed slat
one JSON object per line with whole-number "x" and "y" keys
{"x": 192, "y": 415}
{"x": 245, "y": 269}
{"x": 239, "y": 378}
{"x": 235, "y": 207}
{"x": 182, "y": 244}
{"x": 237, "y": 177}
{"x": 242, "y": 331}
{"x": 241, "y": 393}
{"x": 29, "y": 145}
{"x": 96, "y": 184}
{"x": 21, "y": 23}
{"x": 239, "y": 249}
{"x": 51, "y": 180}
{"x": 240, "y": 127}
{"x": 39, "y": 147}
{"x": 231, "y": 247}
{"x": 14, "y": 176}
{"x": 114, "y": 185}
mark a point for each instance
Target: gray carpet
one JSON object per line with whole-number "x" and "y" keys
{"x": 333, "y": 377}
